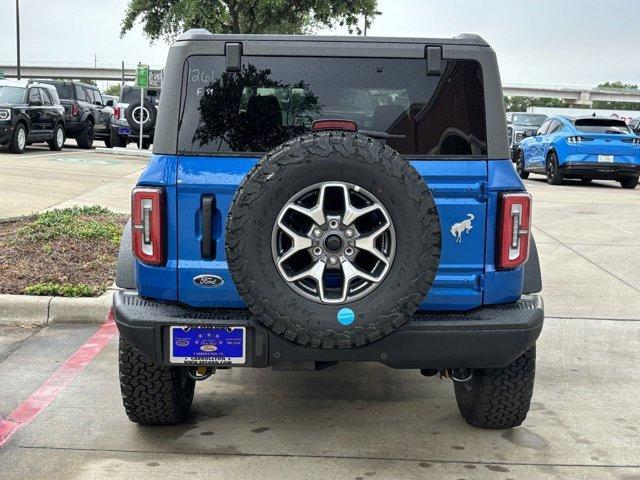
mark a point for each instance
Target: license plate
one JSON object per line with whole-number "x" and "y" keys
{"x": 124, "y": 130}
{"x": 605, "y": 158}
{"x": 208, "y": 345}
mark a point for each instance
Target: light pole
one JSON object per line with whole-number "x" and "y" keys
{"x": 18, "y": 37}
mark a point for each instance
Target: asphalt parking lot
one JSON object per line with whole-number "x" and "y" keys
{"x": 350, "y": 421}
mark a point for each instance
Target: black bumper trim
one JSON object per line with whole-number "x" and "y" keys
{"x": 602, "y": 171}
{"x": 491, "y": 336}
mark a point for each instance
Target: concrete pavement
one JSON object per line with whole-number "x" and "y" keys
{"x": 368, "y": 421}
{"x": 40, "y": 179}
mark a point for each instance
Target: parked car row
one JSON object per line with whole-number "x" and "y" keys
{"x": 584, "y": 148}
{"x": 36, "y": 111}
{"x": 31, "y": 112}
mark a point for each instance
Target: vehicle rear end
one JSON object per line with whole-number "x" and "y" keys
{"x": 601, "y": 148}
{"x": 317, "y": 200}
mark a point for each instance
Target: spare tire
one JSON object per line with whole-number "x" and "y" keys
{"x": 333, "y": 239}
{"x": 148, "y": 112}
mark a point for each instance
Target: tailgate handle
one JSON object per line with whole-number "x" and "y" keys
{"x": 208, "y": 244}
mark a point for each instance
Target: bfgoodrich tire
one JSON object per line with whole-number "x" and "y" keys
{"x": 153, "y": 394}
{"x": 498, "y": 398}
{"x": 364, "y": 165}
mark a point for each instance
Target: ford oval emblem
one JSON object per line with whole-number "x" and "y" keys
{"x": 210, "y": 281}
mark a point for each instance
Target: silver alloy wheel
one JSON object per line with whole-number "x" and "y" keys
{"x": 333, "y": 242}
{"x": 59, "y": 137}
{"x": 22, "y": 139}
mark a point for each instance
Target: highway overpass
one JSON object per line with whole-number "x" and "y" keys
{"x": 571, "y": 95}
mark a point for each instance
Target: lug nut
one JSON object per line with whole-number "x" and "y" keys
{"x": 348, "y": 233}
{"x": 348, "y": 251}
{"x": 317, "y": 251}
{"x": 333, "y": 224}
{"x": 317, "y": 232}
{"x": 333, "y": 260}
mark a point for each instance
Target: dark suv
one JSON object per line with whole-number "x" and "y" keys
{"x": 125, "y": 124}
{"x": 315, "y": 200}
{"x": 30, "y": 113}
{"x": 87, "y": 116}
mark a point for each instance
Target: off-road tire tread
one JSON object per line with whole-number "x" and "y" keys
{"x": 300, "y": 151}
{"x": 629, "y": 183}
{"x": 84, "y": 141}
{"x": 152, "y": 394}
{"x": 503, "y": 395}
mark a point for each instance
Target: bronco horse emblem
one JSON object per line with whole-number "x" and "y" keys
{"x": 457, "y": 229}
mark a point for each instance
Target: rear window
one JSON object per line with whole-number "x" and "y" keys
{"x": 132, "y": 95}
{"x": 64, "y": 90}
{"x": 602, "y": 125}
{"x": 274, "y": 99}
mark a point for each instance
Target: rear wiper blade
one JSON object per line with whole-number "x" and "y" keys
{"x": 376, "y": 134}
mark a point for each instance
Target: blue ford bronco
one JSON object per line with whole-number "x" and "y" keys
{"x": 314, "y": 200}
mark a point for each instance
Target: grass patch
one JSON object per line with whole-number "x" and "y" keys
{"x": 68, "y": 252}
{"x": 61, "y": 289}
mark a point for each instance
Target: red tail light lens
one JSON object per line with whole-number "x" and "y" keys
{"x": 147, "y": 222}
{"x": 344, "y": 125}
{"x": 74, "y": 110}
{"x": 514, "y": 230}
{"x": 116, "y": 113}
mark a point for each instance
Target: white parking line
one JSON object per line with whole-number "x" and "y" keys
{"x": 51, "y": 154}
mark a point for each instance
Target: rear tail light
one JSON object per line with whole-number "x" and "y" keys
{"x": 514, "y": 230}
{"x": 344, "y": 125}
{"x": 574, "y": 140}
{"x": 74, "y": 110}
{"x": 116, "y": 113}
{"x": 147, "y": 221}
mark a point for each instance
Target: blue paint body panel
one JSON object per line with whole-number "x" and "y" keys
{"x": 466, "y": 277}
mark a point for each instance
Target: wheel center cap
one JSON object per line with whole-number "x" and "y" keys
{"x": 333, "y": 243}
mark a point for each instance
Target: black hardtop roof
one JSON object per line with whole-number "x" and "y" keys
{"x": 201, "y": 34}
{"x": 67, "y": 82}
{"x": 577, "y": 119}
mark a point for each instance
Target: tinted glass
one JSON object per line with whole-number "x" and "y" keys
{"x": 65, "y": 90}
{"x": 132, "y": 95}
{"x": 80, "y": 94}
{"x": 46, "y": 100}
{"x": 554, "y": 127}
{"x": 543, "y": 128}
{"x": 529, "y": 120}
{"x": 602, "y": 125}
{"x": 34, "y": 95}
{"x": 11, "y": 94}
{"x": 274, "y": 99}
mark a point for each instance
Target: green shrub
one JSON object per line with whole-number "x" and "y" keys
{"x": 74, "y": 222}
{"x": 61, "y": 289}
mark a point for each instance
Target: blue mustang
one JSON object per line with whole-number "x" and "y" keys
{"x": 585, "y": 148}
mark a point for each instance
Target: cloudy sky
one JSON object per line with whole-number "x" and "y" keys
{"x": 573, "y": 42}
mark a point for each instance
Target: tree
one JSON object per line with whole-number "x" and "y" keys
{"x": 113, "y": 90}
{"x": 617, "y": 105}
{"x": 520, "y": 104}
{"x": 167, "y": 18}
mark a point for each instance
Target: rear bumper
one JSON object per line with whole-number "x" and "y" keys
{"x": 486, "y": 337}
{"x": 602, "y": 171}
{"x": 133, "y": 134}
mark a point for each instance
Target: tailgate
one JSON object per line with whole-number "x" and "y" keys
{"x": 206, "y": 186}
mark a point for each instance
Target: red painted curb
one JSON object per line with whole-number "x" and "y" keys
{"x": 53, "y": 386}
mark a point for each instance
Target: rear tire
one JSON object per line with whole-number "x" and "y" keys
{"x": 116, "y": 140}
{"x": 497, "y": 398}
{"x": 153, "y": 394}
{"x": 85, "y": 137}
{"x": 520, "y": 165}
{"x": 554, "y": 177}
{"x": 19, "y": 139}
{"x": 629, "y": 183}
